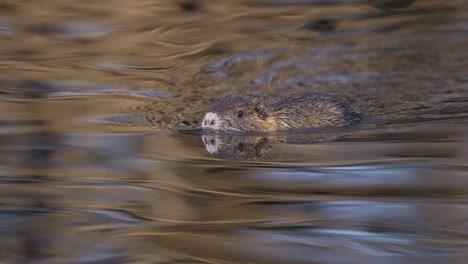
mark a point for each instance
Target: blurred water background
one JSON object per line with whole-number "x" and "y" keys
{"x": 102, "y": 159}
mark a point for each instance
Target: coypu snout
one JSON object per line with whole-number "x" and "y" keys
{"x": 211, "y": 121}
{"x": 256, "y": 114}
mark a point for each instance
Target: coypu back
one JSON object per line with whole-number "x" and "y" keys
{"x": 254, "y": 113}
{"x": 310, "y": 110}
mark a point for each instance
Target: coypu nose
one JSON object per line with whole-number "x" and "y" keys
{"x": 211, "y": 121}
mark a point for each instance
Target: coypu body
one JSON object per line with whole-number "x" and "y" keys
{"x": 257, "y": 114}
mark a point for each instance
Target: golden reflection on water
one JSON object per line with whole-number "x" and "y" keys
{"x": 102, "y": 162}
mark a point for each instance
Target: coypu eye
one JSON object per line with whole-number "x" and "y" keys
{"x": 240, "y": 146}
{"x": 240, "y": 114}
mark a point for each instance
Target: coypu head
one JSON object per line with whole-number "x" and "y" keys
{"x": 235, "y": 113}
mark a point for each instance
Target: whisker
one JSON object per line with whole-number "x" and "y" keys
{"x": 229, "y": 128}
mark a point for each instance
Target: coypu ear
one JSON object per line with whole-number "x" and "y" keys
{"x": 261, "y": 111}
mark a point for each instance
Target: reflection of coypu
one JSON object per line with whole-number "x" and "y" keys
{"x": 251, "y": 146}
{"x": 253, "y": 113}
{"x": 236, "y": 147}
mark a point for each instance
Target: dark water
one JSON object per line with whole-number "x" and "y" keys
{"x": 102, "y": 160}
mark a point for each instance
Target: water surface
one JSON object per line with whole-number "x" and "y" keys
{"x": 102, "y": 158}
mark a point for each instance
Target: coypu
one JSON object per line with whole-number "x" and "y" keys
{"x": 257, "y": 114}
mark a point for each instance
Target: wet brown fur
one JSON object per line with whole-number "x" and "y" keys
{"x": 305, "y": 110}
